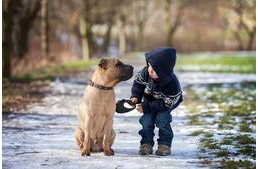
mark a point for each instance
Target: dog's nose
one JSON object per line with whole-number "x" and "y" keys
{"x": 131, "y": 67}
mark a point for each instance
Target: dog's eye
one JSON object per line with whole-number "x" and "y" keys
{"x": 119, "y": 64}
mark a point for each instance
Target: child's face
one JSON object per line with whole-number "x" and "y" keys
{"x": 152, "y": 73}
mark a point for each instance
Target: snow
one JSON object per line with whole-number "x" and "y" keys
{"x": 189, "y": 78}
{"x": 41, "y": 136}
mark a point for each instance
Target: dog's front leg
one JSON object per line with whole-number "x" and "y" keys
{"x": 86, "y": 141}
{"x": 79, "y": 137}
{"x": 106, "y": 139}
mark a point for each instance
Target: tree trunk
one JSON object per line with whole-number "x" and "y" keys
{"x": 251, "y": 35}
{"x": 23, "y": 22}
{"x": 121, "y": 35}
{"x": 8, "y": 21}
{"x": 7, "y": 32}
{"x": 142, "y": 12}
{"x": 85, "y": 29}
{"x": 239, "y": 40}
{"x": 171, "y": 28}
{"x": 168, "y": 24}
{"x": 85, "y": 42}
{"x": 140, "y": 37}
{"x": 44, "y": 28}
{"x": 107, "y": 37}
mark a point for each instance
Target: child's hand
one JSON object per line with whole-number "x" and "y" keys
{"x": 139, "y": 108}
{"x": 134, "y": 100}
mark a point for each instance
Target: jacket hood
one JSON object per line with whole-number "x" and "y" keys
{"x": 163, "y": 61}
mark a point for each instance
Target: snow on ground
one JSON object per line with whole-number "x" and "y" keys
{"x": 189, "y": 78}
{"x": 42, "y": 135}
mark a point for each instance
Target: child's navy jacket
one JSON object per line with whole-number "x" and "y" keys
{"x": 163, "y": 94}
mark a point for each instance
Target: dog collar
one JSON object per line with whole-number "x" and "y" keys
{"x": 91, "y": 83}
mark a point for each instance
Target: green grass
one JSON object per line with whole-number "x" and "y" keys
{"x": 209, "y": 143}
{"x": 227, "y": 140}
{"x": 196, "y": 120}
{"x": 234, "y": 110}
{"x": 208, "y": 135}
{"x": 245, "y": 139}
{"x": 196, "y": 133}
{"x": 248, "y": 150}
{"x": 231, "y": 164}
{"x": 223, "y": 153}
{"x": 58, "y": 70}
{"x": 206, "y": 62}
{"x": 245, "y": 127}
{"x": 223, "y": 63}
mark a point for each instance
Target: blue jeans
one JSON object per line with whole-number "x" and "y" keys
{"x": 162, "y": 121}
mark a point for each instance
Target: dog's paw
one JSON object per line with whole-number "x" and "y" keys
{"x": 81, "y": 147}
{"x": 85, "y": 153}
{"x": 109, "y": 152}
{"x": 112, "y": 151}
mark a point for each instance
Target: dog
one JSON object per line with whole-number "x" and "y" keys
{"x": 95, "y": 131}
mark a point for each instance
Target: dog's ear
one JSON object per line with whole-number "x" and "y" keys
{"x": 103, "y": 63}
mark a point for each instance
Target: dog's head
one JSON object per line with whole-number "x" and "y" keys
{"x": 115, "y": 71}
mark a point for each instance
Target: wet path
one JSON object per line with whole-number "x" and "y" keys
{"x": 42, "y": 135}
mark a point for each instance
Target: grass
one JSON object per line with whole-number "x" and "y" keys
{"x": 245, "y": 127}
{"x": 209, "y": 143}
{"x": 196, "y": 120}
{"x": 222, "y": 63}
{"x": 227, "y": 140}
{"x": 208, "y": 135}
{"x": 235, "y": 110}
{"x": 208, "y": 62}
{"x": 223, "y": 153}
{"x": 196, "y": 132}
{"x": 232, "y": 164}
{"x": 58, "y": 70}
{"x": 248, "y": 150}
{"x": 245, "y": 139}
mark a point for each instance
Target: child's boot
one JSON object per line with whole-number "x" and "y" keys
{"x": 145, "y": 149}
{"x": 163, "y": 150}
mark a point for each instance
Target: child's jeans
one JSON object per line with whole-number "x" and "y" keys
{"x": 162, "y": 121}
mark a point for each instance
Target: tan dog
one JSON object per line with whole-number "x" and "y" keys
{"x": 95, "y": 131}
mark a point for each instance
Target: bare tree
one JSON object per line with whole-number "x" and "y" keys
{"x": 108, "y": 16}
{"x": 249, "y": 25}
{"x": 44, "y": 28}
{"x": 83, "y": 29}
{"x": 27, "y": 12}
{"x": 9, "y": 10}
{"x": 85, "y": 24}
{"x": 121, "y": 34}
{"x": 141, "y": 16}
{"x": 173, "y": 21}
{"x": 243, "y": 26}
{"x": 18, "y": 19}
{"x": 123, "y": 14}
{"x": 107, "y": 36}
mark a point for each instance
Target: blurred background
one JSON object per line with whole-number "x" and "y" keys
{"x": 51, "y": 48}
{"x": 43, "y": 33}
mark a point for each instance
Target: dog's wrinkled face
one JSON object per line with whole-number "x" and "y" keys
{"x": 115, "y": 70}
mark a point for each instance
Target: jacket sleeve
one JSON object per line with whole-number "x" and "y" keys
{"x": 139, "y": 84}
{"x": 161, "y": 105}
{"x": 154, "y": 106}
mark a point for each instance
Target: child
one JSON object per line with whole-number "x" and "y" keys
{"x": 160, "y": 89}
